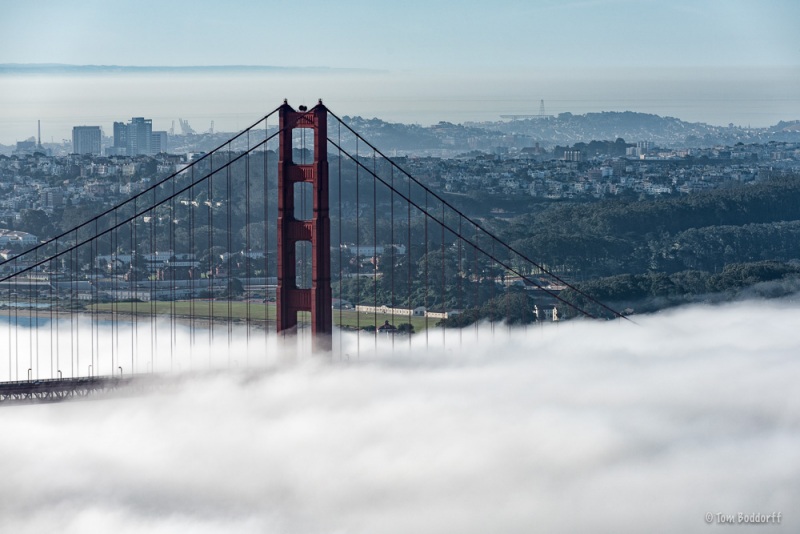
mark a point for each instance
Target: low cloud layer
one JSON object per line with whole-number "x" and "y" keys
{"x": 582, "y": 427}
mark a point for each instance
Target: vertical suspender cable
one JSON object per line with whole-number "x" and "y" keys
{"x": 425, "y": 224}
{"x": 358, "y": 258}
{"x": 461, "y": 271}
{"x": 408, "y": 264}
{"x": 341, "y": 219}
{"x": 391, "y": 244}
{"x": 477, "y": 286}
{"x": 51, "y": 306}
{"x": 133, "y": 284}
{"x": 194, "y": 271}
{"x": 54, "y": 312}
{"x": 444, "y": 293}
{"x": 265, "y": 197}
{"x": 247, "y": 243}
{"x": 170, "y": 276}
{"x": 210, "y": 274}
{"x": 36, "y": 310}
{"x": 229, "y": 248}
{"x": 494, "y": 286}
{"x": 94, "y": 250}
{"x": 10, "y": 345}
{"x": 75, "y": 353}
{"x": 375, "y": 252}
{"x": 154, "y": 263}
{"x": 16, "y": 317}
{"x": 114, "y": 245}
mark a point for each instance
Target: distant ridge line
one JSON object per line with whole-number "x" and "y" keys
{"x": 69, "y": 68}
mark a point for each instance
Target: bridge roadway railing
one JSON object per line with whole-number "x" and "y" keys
{"x": 58, "y": 389}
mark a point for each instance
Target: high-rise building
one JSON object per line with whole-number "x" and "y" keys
{"x": 134, "y": 138}
{"x": 86, "y": 139}
{"x": 140, "y": 136}
{"x": 158, "y": 143}
{"x": 120, "y": 147}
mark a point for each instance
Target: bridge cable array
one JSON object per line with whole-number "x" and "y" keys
{"x": 158, "y": 274}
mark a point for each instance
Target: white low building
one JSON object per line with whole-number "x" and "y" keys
{"x": 15, "y": 237}
{"x": 419, "y": 311}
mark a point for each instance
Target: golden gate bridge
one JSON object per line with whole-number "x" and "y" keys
{"x": 297, "y": 228}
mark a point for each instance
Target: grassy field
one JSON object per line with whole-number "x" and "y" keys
{"x": 257, "y": 311}
{"x": 353, "y": 319}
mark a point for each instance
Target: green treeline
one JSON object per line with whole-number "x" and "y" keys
{"x": 652, "y": 291}
{"x": 703, "y": 232}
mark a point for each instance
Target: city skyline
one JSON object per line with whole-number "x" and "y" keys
{"x": 235, "y": 100}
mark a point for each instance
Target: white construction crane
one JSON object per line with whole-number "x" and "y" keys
{"x": 185, "y": 128}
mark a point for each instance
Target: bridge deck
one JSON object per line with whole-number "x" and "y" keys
{"x": 54, "y": 390}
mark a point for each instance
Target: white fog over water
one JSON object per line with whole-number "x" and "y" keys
{"x": 747, "y": 96}
{"x": 579, "y": 427}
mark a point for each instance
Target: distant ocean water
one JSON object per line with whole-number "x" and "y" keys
{"x": 755, "y": 97}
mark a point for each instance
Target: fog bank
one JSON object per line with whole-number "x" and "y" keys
{"x": 581, "y": 427}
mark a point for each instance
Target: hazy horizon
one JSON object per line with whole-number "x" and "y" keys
{"x": 234, "y": 98}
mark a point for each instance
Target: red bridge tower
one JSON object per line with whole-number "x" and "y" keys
{"x": 317, "y": 230}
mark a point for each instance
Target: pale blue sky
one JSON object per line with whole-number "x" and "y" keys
{"x": 408, "y": 34}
